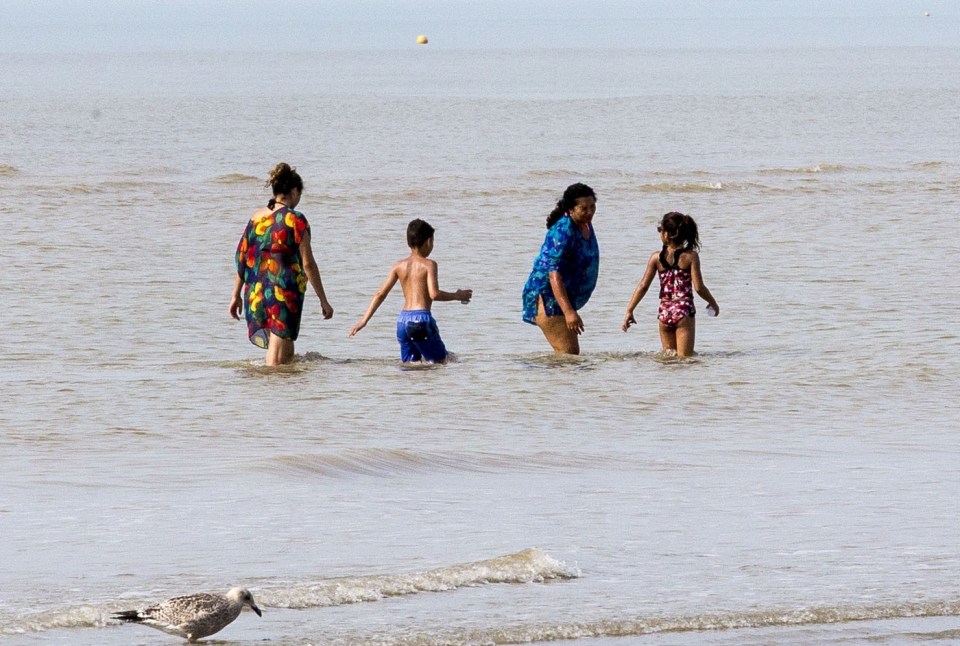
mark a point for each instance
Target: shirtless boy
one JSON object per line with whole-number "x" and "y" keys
{"x": 417, "y": 330}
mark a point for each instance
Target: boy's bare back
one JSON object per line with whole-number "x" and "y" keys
{"x": 416, "y": 275}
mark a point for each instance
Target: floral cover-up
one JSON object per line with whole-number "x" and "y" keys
{"x": 274, "y": 283}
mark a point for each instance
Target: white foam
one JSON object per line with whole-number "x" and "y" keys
{"x": 527, "y": 566}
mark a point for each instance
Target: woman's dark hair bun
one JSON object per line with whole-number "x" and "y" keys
{"x": 283, "y": 179}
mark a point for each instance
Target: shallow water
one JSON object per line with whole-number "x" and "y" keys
{"x": 795, "y": 483}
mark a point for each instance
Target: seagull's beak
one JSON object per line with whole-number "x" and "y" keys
{"x": 256, "y": 610}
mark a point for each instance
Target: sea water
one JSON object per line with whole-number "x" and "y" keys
{"x": 796, "y": 483}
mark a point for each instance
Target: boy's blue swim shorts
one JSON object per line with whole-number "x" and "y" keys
{"x": 419, "y": 337}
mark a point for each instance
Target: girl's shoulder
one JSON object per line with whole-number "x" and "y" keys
{"x": 654, "y": 261}
{"x": 687, "y": 257}
{"x": 683, "y": 260}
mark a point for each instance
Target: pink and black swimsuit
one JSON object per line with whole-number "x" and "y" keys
{"x": 676, "y": 291}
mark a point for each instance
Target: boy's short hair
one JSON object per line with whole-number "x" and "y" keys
{"x": 418, "y": 232}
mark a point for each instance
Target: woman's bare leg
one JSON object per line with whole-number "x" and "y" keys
{"x": 561, "y": 338}
{"x": 279, "y": 351}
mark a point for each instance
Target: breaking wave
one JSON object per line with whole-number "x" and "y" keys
{"x": 683, "y": 187}
{"x": 236, "y": 178}
{"x": 527, "y": 566}
{"x": 639, "y": 626}
{"x": 392, "y": 462}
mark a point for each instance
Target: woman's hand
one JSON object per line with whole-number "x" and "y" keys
{"x": 326, "y": 309}
{"x": 574, "y": 322}
{"x": 236, "y": 306}
{"x": 628, "y": 320}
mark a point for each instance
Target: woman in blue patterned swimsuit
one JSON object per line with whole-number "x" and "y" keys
{"x": 565, "y": 271}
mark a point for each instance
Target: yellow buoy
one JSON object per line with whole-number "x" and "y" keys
{"x": 422, "y": 40}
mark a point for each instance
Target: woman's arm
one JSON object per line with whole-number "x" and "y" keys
{"x": 640, "y": 291}
{"x": 312, "y": 271}
{"x": 570, "y": 315}
{"x": 236, "y": 303}
{"x": 555, "y": 247}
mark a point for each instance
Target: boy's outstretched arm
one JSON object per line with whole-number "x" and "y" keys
{"x": 437, "y": 294}
{"x": 640, "y": 291}
{"x": 701, "y": 289}
{"x": 378, "y": 299}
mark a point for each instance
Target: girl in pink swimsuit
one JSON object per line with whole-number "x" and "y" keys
{"x": 678, "y": 265}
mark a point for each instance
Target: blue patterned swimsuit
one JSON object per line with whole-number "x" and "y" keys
{"x": 576, "y": 258}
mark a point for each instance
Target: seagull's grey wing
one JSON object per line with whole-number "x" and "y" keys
{"x": 193, "y": 616}
{"x": 206, "y": 614}
{"x": 184, "y": 612}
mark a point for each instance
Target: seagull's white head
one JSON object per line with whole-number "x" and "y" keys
{"x": 242, "y": 595}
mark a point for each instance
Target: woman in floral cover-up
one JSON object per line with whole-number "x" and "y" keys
{"x": 274, "y": 264}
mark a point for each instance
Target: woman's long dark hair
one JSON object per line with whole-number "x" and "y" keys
{"x": 570, "y": 196}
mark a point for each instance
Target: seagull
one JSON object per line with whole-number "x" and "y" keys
{"x": 194, "y": 616}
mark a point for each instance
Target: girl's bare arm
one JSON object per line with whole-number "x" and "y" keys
{"x": 698, "y": 285}
{"x": 645, "y": 281}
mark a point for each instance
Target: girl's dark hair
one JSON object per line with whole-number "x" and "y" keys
{"x": 570, "y": 196}
{"x": 681, "y": 229}
{"x": 282, "y": 180}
